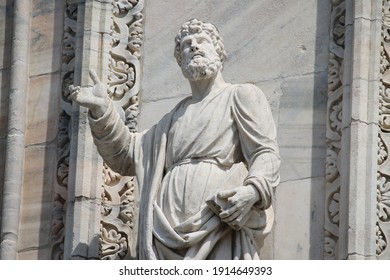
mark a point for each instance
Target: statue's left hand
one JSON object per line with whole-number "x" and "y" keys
{"x": 240, "y": 201}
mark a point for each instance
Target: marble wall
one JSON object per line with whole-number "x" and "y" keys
{"x": 280, "y": 46}
{"x": 41, "y": 129}
{"x": 42, "y": 99}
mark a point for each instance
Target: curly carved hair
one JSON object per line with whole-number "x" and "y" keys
{"x": 197, "y": 26}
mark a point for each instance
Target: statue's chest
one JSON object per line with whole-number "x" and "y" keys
{"x": 202, "y": 120}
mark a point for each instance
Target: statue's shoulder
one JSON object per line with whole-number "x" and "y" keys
{"x": 181, "y": 103}
{"x": 247, "y": 91}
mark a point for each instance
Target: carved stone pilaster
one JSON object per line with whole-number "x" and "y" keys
{"x": 383, "y": 175}
{"x": 334, "y": 128}
{"x": 63, "y": 136}
{"x": 118, "y": 235}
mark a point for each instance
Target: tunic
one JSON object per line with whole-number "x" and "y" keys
{"x": 225, "y": 140}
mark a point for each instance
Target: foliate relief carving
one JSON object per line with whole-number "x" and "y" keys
{"x": 337, "y": 31}
{"x": 122, "y": 78}
{"x": 384, "y": 92}
{"x": 118, "y": 211}
{"x": 63, "y": 136}
{"x": 334, "y": 128}
{"x": 382, "y": 151}
{"x": 69, "y": 38}
{"x": 330, "y": 246}
{"x": 338, "y": 20}
{"x": 383, "y": 198}
{"x": 119, "y": 192}
{"x": 127, "y": 36}
{"x": 113, "y": 244}
{"x": 384, "y": 110}
{"x": 384, "y": 61}
{"x": 60, "y": 196}
{"x": 124, "y": 5}
{"x": 383, "y": 175}
{"x": 383, "y": 211}
{"x": 332, "y": 172}
{"x": 386, "y": 22}
{"x": 381, "y": 242}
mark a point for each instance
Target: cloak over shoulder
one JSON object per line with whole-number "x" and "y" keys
{"x": 212, "y": 137}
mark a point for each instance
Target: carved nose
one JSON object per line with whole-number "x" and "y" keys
{"x": 194, "y": 48}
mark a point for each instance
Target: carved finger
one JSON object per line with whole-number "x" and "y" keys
{"x": 232, "y": 217}
{"x": 236, "y": 225}
{"x": 233, "y": 200}
{"x": 72, "y": 88}
{"x": 94, "y": 76}
{"x": 82, "y": 99}
{"x": 226, "y": 194}
{"x": 74, "y": 94}
{"x": 228, "y": 212}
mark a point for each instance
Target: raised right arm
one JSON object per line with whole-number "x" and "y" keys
{"x": 112, "y": 138}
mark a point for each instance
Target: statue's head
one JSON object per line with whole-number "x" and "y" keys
{"x": 199, "y": 50}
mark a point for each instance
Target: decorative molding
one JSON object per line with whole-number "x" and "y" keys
{"x": 118, "y": 210}
{"x": 63, "y": 136}
{"x": 334, "y": 128}
{"x": 383, "y": 175}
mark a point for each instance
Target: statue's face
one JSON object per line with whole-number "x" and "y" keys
{"x": 199, "y": 58}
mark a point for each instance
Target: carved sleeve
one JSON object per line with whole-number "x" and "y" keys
{"x": 257, "y": 135}
{"x": 114, "y": 141}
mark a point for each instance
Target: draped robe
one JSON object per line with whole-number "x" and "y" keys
{"x": 224, "y": 141}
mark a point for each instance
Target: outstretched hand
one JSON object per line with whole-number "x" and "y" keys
{"x": 96, "y": 100}
{"x": 240, "y": 201}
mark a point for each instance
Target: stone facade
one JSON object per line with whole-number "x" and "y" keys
{"x": 323, "y": 66}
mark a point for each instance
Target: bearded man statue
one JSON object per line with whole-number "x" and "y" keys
{"x": 206, "y": 171}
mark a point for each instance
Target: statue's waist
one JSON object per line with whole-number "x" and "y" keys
{"x": 197, "y": 161}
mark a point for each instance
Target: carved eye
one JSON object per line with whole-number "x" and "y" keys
{"x": 185, "y": 45}
{"x": 202, "y": 40}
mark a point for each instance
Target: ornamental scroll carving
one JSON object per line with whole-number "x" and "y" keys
{"x": 334, "y": 132}
{"x": 63, "y": 136}
{"x": 118, "y": 209}
{"x": 383, "y": 175}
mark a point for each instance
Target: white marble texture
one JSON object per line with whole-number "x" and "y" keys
{"x": 282, "y": 47}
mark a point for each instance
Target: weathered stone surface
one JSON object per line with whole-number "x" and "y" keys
{"x": 300, "y": 196}
{"x": 267, "y": 42}
{"x": 5, "y": 47}
{"x": 46, "y": 36}
{"x": 280, "y": 46}
{"x": 42, "y": 112}
{"x": 36, "y": 214}
{"x": 284, "y": 51}
{"x": 302, "y": 125}
{"x": 298, "y": 230}
{"x": 197, "y": 212}
{"x": 4, "y": 88}
{"x": 5, "y": 33}
{"x": 41, "y": 254}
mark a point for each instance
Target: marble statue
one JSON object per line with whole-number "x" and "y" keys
{"x": 206, "y": 171}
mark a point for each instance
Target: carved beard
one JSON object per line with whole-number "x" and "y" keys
{"x": 200, "y": 68}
